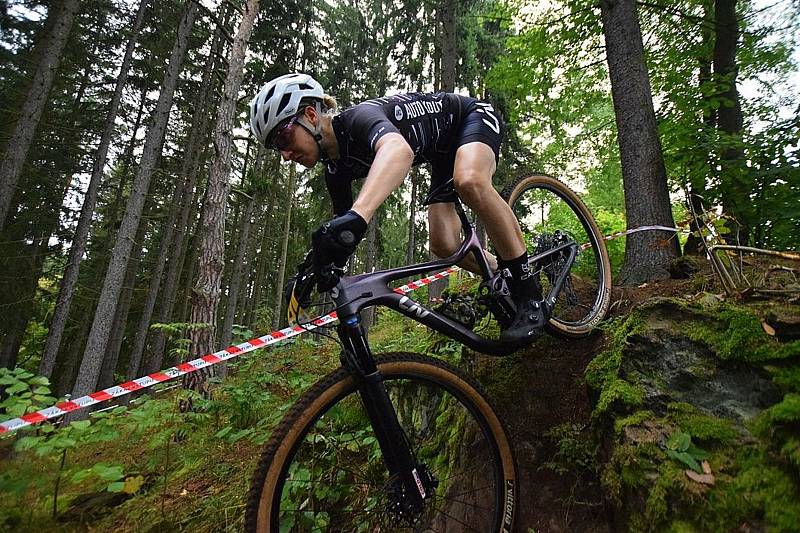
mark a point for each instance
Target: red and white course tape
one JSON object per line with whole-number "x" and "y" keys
{"x": 230, "y": 352}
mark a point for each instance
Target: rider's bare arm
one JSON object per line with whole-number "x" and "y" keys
{"x": 393, "y": 159}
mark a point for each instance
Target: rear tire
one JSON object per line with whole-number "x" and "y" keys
{"x": 322, "y": 469}
{"x": 543, "y": 205}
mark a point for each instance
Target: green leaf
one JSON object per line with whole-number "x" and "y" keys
{"x": 679, "y": 441}
{"x": 108, "y": 473}
{"x": 117, "y": 486}
{"x": 17, "y": 387}
{"x": 686, "y": 459}
{"x": 42, "y": 390}
{"x": 81, "y": 424}
{"x": 222, "y": 432}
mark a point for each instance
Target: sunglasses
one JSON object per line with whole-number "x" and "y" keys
{"x": 284, "y": 135}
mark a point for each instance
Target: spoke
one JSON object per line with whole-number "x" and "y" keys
{"x": 457, "y": 520}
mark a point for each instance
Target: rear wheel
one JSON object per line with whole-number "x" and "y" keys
{"x": 550, "y": 214}
{"x": 323, "y": 470}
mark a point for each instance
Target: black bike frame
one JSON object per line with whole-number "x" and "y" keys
{"x": 354, "y": 293}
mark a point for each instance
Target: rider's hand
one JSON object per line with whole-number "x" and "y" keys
{"x": 336, "y": 240}
{"x": 303, "y": 269}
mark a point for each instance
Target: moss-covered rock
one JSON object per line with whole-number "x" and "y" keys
{"x": 707, "y": 372}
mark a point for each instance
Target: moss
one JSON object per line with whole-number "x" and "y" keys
{"x": 633, "y": 420}
{"x": 759, "y": 490}
{"x": 735, "y": 333}
{"x": 502, "y": 377}
{"x": 602, "y": 373}
{"x": 618, "y": 390}
{"x": 788, "y": 378}
{"x": 699, "y": 425}
{"x": 779, "y": 426}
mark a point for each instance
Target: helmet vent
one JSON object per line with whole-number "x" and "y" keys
{"x": 284, "y": 102}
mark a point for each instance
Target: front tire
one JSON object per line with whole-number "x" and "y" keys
{"x": 323, "y": 470}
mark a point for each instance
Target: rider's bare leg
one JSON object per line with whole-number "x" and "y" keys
{"x": 472, "y": 174}
{"x": 444, "y": 227}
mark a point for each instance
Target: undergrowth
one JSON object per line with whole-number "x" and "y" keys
{"x": 146, "y": 466}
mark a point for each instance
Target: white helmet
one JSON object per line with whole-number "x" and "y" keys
{"x": 280, "y": 99}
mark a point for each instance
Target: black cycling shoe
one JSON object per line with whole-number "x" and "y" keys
{"x": 528, "y": 323}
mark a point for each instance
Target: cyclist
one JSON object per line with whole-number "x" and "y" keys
{"x": 379, "y": 140}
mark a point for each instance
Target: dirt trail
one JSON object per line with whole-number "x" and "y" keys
{"x": 546, "y": 390}
{"x": 552, "y": 393}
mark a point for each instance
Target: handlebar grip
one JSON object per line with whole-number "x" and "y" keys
{"x": 347, "y": 238}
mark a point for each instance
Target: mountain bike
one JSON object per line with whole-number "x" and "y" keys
{"x": 405, "y": 442}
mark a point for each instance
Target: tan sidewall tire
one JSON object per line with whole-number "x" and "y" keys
{"x": 512, "y": 192}
{"x": 280, "y": 447}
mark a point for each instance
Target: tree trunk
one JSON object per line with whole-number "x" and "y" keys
{"x": 238, "y": 273}
{"x": 60, "y": 22}
{"x": 647, "y": 254}
{"x": 697, "y": 182}
{"x": 155, "y": 279}
{"x": 191, "y": 163}
{"x": 111, "y": 357}
{"x": 205, "y": 296}
{"x": 265, "y": 253}
{"x": 447, "y": 26}
{"x": 98, "y": 336}
{"x": 78, "y": 248}
{"x": 733, "y": 174}
{"x": 447, "y": 19}
{"x": 287, "y": 228}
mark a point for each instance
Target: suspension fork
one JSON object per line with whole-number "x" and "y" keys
{"x": 397, "y": 455}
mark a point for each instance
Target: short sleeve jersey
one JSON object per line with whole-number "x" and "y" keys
{"x": 428, "y": 122}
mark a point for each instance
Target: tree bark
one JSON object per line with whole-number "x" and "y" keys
{"x": 733, "y": 174}
{"x": 111, "y": 357}
{"x": 447, "y": 27}
{"x": 36, "y": 100}
{"x": 205, "y": 296}
{"x": 647, "y": 254}
{"x": 287, "y": 228}
{"x": 238, "y": 272}
{"x": 189, "y": 170}
{"x": 78, "y": 248}
{"x": 98, "y": 336}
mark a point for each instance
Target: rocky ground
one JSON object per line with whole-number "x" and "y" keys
{"x": 687, "y": 418}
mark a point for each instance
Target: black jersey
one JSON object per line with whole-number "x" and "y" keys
{"x": 430, "y": 123}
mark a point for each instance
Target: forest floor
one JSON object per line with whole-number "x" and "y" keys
{"x": 200, "y": 483}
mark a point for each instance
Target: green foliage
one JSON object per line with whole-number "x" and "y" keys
{"x": 635, "y": 419}
{"x": 575, "y": 450}
{"x": 23, "y": 392}
{"x": 680, "y": 447}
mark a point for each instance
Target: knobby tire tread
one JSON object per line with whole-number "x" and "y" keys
{"x": 554, "y": 327}
{"x": 296, "y": 411}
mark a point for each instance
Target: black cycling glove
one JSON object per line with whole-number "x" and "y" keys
{"x": 336, "y": 240}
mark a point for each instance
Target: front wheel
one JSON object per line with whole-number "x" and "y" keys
{"x": 323, "y": 470}
{"x": 549, "y": 214}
